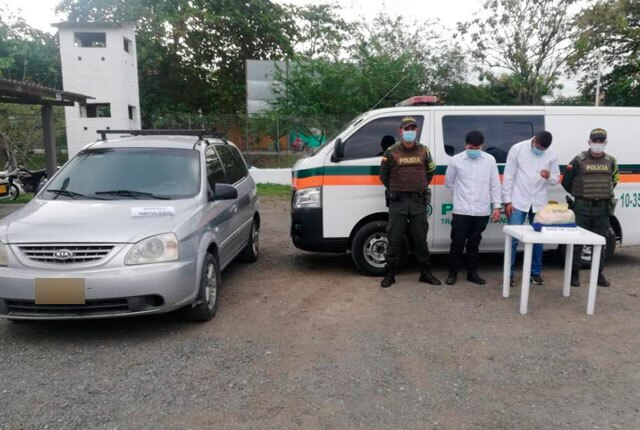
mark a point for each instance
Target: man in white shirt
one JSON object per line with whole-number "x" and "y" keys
{"x": 530, "y": 170}
{"x": 472, "y": 176}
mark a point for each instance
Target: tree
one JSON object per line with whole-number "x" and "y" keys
{"x": 527, "y": 38}
{"x": 191, "y": 53}
{"x": 322, "y": 33}
{"x": 609, "y": 33}
{"x": 27, "y": 54}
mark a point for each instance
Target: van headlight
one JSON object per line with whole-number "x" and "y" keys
{"x": 154, "y": 249}
{"x": 3, "y": 254}
{"x": 307, "y": 198}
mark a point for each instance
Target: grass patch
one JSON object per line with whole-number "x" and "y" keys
{"x": 24, "y": 198}
{"x": 275, "y": 190}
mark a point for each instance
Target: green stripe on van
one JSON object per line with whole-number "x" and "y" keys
{"x": 440, "y": 170}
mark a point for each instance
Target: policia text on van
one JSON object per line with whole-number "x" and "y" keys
{"x": 339, "y": 205}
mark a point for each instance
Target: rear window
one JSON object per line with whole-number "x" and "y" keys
{"x": 501, "y": 132}
{"x": 370, "y": 140}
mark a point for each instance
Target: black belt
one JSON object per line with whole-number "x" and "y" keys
{"x": 410, "y": 194}
{"x": 592, "y": 202}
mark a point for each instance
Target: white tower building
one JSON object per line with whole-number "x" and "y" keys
{"x": 99, "y": 60}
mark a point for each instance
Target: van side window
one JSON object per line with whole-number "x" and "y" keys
{"x": 501, "y": 132}
{"x": 367, "y": 142}
{"x": 233, "y": 163}
{"x": 215, "y": 172}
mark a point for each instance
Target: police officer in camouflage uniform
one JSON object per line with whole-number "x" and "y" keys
{"x": 406, "y": 171}
{"x": 590, "y": 178}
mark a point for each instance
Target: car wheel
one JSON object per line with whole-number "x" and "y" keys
{"x": 369, "y": 248}
{"x": 14, "y": 192}
{"x": 251, "y": 250}
{"x": 206, "y": 303}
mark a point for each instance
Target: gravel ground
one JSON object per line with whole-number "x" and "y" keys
{"x": 302, "y": 341}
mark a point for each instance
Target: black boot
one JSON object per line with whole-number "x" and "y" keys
{"x": 602, "y": 281}
{"x": 427, "y": 277}
{"x": 475, "y": 278}
{"x": 389, "y": 279}
{"x": 452, "y": 278}
{"x": 575, "y": 278}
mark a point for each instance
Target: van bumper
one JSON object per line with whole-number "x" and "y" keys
{"x": 306, "y": 232}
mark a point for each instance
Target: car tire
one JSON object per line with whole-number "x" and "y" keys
{"x": 206, "y": 304}
{"x": 252, "y": 249}
{"x": 14, "y": 192}
{"x": 369, "y": 247}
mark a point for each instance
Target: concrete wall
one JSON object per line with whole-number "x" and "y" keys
{"x": 271, "y": 176}
{"x": 109, "y": 74}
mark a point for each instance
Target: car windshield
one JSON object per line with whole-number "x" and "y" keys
{"x": 128, "y": 174}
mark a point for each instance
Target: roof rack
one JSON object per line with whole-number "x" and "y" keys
{"x": 199, "y": 133}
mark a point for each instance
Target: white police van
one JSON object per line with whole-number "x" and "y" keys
{"x": 338, "y": 202}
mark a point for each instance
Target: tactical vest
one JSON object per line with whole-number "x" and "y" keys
{"x": 595, "y": 178}
{"x": 409, "y": 173}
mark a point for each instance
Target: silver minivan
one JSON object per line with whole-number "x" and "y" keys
{"x": 134, "y": 225}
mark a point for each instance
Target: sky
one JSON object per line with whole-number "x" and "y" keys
{"x": 40, "y": 14}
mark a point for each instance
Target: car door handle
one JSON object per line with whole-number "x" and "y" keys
{"x": 234, "y": 208}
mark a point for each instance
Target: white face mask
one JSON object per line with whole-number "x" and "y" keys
{"x": 597, "y": 148}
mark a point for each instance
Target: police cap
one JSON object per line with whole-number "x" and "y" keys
{"x": 407, "y": 121}
{"x": 598, "y": 134}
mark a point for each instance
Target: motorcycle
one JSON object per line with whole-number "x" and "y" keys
{"x": 20, "y": 180}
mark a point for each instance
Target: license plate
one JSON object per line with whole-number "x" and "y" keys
{"x": 3, "y": 189}
{"x": 59, "y": 291}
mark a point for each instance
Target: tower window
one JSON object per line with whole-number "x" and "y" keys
{"x": 127, "y": 44}
{"x": 132, "y": 111}
{"x": 98, "y": 110}
{"x": 90, "y": 40}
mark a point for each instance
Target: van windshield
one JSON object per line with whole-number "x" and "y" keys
{"x": 333, "y": 137}
{"x": 128, "y": 174}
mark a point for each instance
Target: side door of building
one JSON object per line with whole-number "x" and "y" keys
{"x": 238, "y": 175}
{"x": 501, "y": 131}
{"x": 220, "y": 213}
{"x": 351, "y": 186}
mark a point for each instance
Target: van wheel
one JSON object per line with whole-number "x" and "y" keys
{"x": 251, "y": 250}
{"x": 206, "y": 303}
{"x": 369, "y": 248}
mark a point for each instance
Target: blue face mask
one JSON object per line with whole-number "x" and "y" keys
{"x": 474, "y": 153}
{"x": 409, "y": 135}
{"x": 537, "y": 151}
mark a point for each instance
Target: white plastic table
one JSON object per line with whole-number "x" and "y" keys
{"x": 527, "y": 235}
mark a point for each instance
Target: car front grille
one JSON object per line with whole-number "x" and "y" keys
{"x": 65, "y": 254}
{"x": 106, "y": 307}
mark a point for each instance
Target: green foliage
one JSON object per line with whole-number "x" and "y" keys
{"x": 321, "y": 31}
{"x": 27, "y": 54}
{"x": 609, "y": 33}
{"x": 528, "y": 39}
{"x": 388, "y": 63}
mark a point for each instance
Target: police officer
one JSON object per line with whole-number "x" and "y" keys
{"x": 406, "y": 171}
{"x": 590, "y": 178}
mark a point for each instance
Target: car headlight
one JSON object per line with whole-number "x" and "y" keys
{"x": 3, "y": 254}
{"x": 155, "y": 249}
{"x": 307, "y": 198}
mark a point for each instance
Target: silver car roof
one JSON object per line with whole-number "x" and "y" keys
{"x": 181, "y": 142}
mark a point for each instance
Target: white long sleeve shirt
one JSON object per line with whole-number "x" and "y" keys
{"x": 522, "y": 185}
{"x": 475, "y": 184}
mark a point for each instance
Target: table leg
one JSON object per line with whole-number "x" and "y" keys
{"x": 506, "y": 270}
{"x": 526, "y": 278}
{"x": 568, "y": 262}
{"x": 593, "y": 279}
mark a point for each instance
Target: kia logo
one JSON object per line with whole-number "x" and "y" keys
{"x": 63, "y": 254}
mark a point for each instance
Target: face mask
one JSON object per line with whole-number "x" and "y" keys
{"x": 409, "y": 135}
{"x": 597, "y": 148}
{"x": 474, "y": 153}
{"x": 537, "y": 151}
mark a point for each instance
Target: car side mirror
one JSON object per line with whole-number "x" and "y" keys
{"x": 338, "y": 150}
{"x": 224, "y": 192}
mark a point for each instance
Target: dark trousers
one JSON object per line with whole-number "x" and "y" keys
{"x": 596, "y": 220}
{"x": 466, "y": 231}
{"x": 407, "y": 214}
